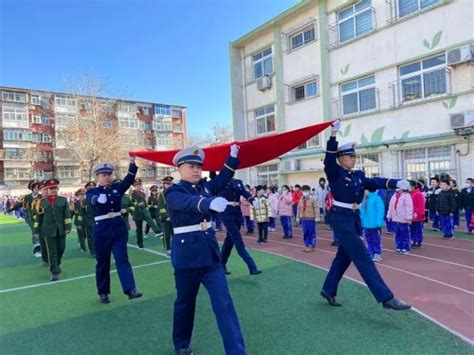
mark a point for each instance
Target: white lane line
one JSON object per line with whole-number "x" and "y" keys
{"x": 74, "y": 278}
{"x": 409, "y": 255}
{"x": 381, "y": 265}
{"x": 148, "y": 250}
{"x": 444, "y": 326}
{"x": 435, "y": 245}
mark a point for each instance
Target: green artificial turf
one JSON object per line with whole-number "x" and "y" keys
{"x": 280, "y": 310}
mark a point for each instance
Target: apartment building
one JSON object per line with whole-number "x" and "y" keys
{"x": 398, "y": 73}
{"x": 33, "y": 143}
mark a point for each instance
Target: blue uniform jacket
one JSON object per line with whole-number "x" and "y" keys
{"x": 188, "y": 205}
{"x": 348, "y": 185}
{"x": 113, "y": 193}
{"x": 372, "y": 211}
{"x": 232, "y": 192}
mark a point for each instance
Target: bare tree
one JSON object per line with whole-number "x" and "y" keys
{"x": 87, "y": 129}
{"x": 219, "y": 134}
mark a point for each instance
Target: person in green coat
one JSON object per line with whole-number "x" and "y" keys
{"x": 88, "y": 219}
{"x": 164, "y": 218}
{"x": 54, "y": 223}
{"x": 26, "y": 202}
{"x": 35, "y": 210}
{"x": 141, "y": 212}
{"x": 78, "y": 213}
{"x": 153, "y": 208}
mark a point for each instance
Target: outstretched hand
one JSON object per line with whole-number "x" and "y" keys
{"x": 234, "y": 150}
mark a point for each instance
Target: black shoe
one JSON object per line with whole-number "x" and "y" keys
{"x": 133, "y": 293}
{"x": 187, "y": 351}
{"x": 255, "y": 272}
{"x": 54, "y": 277}
{"x": 396, "y": 304}
{"x": 104, "y": 298}
{"x": 331, "y": 299}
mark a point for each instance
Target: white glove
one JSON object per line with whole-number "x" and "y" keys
{"x": 298, "y": 220}
{"x": 234, "y": 150}
{"x": 336, "y": 126}
{"x": 255, "y": 203}
{"x": 131, "y": 159}
{"x": 102, "y": 198}
{"x": 403, "y": 184}
{"x": 218, "y": 204}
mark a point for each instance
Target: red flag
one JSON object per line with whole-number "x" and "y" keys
{"x": 251, "y": 153}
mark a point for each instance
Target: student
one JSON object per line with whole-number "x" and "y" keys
{"x": 372, "y": 213}
{"x": 308, "y": 213}
{"x": 467, "y": 203}
{"x": 432, "y": 197}
{"x": 273, "y": 198}
{"x": 400, "y": 211}
{"x": 446, "y": 206}
{"x": 419, "y": 201}
{"x": 285, "y": 211}
{"x": 260, "y": 212}
{"x": 457, "y": 194}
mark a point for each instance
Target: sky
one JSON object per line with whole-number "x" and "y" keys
{"x": 174, "y": 51}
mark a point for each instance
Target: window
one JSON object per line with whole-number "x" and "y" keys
{"x": 107, "y": 123}
{"x": 354, "y": 21}
{"x": 64, "y": 118}
{"x": 35, "y": 100}
{"x": 265, "y": 119}
{"x": 145, "y": 111}
{"x": 267, "y": 175}
{"x": 14, "y": 96}
{"x": 407, "y": 7}
{"x": 16, "y": 114}
{"x": 46, "y": 138}
{"x": 177, "y": 128}
{"x": 17, "y": 174}
{"x": 146, "y": 126}
{"x": 36, "y": 119}
{"x": 16, "y": 135}
{"x": 148, "y": 173}
{"x": 162, "y": 110}
{"x": 127, "y": 122}
{"x": 303, "y": 37}
{"x": 68, "y": 172}
{"x": 43, "y": 156}
{"x": 16, "y": 153}
{"x": 305, "y": 91}
{"x": 262, "y": 63}
{"x": 369, "y": 164}
{"x": 163, "y": 140}
{"x": 176, "y": 113}
{"x": 64, "y": 101}
{"x": 162, "y": 126}
{"x": 424, "y": 78}
{"x": 313, "y": 142}
{"x": 162, "y": 171}
{"x": 358, "y": 95}
{"x": 422, "y": 163}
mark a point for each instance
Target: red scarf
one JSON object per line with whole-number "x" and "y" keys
{"x": 397, "y": 197}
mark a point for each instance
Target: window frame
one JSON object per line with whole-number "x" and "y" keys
{"x": 418, "y": 9}
{"x": 261, "y": 61}
{"x": 353, "y": 17}
{"x": 358, "y": 90}
{"x": 302, "y": 32}
{"x": 305, "y": 88}
{"x": 265, "y": 116}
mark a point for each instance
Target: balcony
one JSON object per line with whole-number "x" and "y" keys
{"x": 15, "y": 124}
{"x": 426, "y": 86}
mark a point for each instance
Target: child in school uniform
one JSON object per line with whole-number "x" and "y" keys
{"x": 446, "y": 206}
{"x": 328, "y": 209}
{"x": 308, "y": 213}
{"x": 273, "y": 198}
{"x": 400, "y": 211}
{"x": 260, "y": 212}
{"x": 372, "y": 213}
{"x": 285, "y": 211}
{"x": 419, "y": 202}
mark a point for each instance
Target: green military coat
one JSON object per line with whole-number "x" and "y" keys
{"x": 53, "y": 220}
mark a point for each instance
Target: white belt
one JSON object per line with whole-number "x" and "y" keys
{"x": 203, "y": 226}
{"x": 107, "y": 216}
{"x": 233, "y": 203}
{"x": 351, "y": 206}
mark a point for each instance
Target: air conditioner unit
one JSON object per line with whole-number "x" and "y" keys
{"x": 460, "y": 55}
{"x": 462, "y": 119}
{"x": 264, "y": 83}
{"x": 292, "y": 165}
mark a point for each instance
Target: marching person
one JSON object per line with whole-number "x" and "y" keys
{"x": 195, "y": 253}
{"x": 126, "y": 206}
{"x": 167, "y": 228}
{"x": 110, "y": 231}
{"x": 78, "y": 213}
{"x": 348, "y": 188}
{"x": 88, "y": 219}
{"x": 25, "y": 202}
{"x": 153, "y": 210}
{"x": 53, "y": 222}
{"x": 141, "y": 212}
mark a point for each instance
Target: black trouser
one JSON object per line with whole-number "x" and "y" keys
{"x": 81, "y": 237}
{"x": 90, "y": 239}
{"x": 55, "y": 246}
{"x": 44, "y": 249}
{"x": 139, "y": 226}
{"x": 262, "y": 231}
{"x": 167, "y": 233}
{"x": 156, "y": 219}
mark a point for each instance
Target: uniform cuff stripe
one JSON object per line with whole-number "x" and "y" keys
{"x": 199, "y": 203}
{"x": 228, "y": 167}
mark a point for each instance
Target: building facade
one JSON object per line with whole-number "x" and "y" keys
{"x": 398, "y": 73}
{"x": 33, "y": 134}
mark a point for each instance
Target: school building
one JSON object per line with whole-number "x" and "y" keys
{"x": 398, "y": 73}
